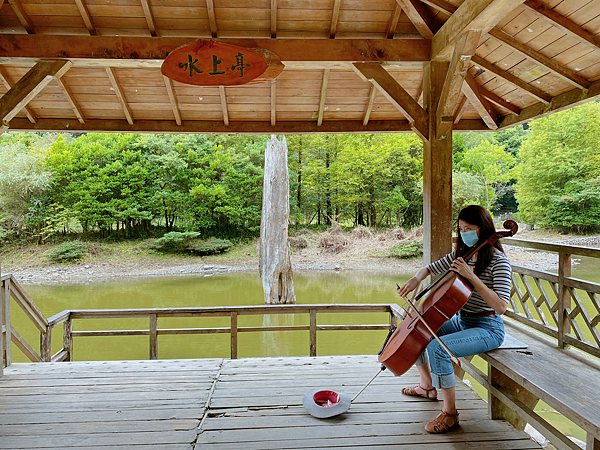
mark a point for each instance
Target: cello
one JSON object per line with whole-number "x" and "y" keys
{"x": 442, "y": 299}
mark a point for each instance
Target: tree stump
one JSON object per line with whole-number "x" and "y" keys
{"x": 274, "y": 262}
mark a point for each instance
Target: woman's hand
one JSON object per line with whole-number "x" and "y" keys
{"x": 408, "y": 287}
{"x": 463, "y": 269}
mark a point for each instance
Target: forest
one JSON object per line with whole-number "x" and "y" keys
{"x": 128, "y": 186}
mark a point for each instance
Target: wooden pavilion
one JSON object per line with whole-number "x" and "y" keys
{"x": 430, "y": 67}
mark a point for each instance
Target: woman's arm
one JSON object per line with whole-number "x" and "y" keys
{"x": 412, "y": 284}
{"x": 490, "y": 296}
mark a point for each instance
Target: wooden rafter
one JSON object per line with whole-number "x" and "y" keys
{"x": 396, "y": 94}
{"x": 420, "y": 16}
{"x": 112, "y": 76}
{"x": 223, "y": 95}
{"x": 69, "y": 96}
{"x": 482, "y": 105}
{"x": 558, "y": 69}
{"x": 497, "y": 100}
{"x": 394, "y": 21}
{"x": 563, "y": 23}
{"x": 22, "y": 15}
{"x": 127, "y": 51}
{"x": 441, "y": 5}
{"x": 570, "y": 99}
{"x": 480, "y": 15}
{"x": 212, "y": 21}
{"x": 335, "y": 15}
{"x": 370, "y": 103}
{"x": 29, "y": 86}
{"x": 462, "y": 106}
{"x": 5, "y": 80}
{"x": 273, "y": 19}
{"x": 455, "y": 76}
{"x": 149, "y": 17}
{"x": 86, "y": 16}
{"x": 273, "y": 102}
{"x": 173, "y": 99}
{"x": 323, "y": 96}
{"x": 512, "y": 79}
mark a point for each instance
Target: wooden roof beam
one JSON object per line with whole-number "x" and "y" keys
{"x": 512, "y": 79}
{"x": 462, "y": 106}
{"x": 112, "y": 76}
{"x": 558, "y": 69}
{"x": 173, "y": 99}
{"x": 562, "y": 23}
{"x": 480, "y": 15}
{"x": 397, "y": 95}
{"x": 394, "y": 21}
{"x": 149, "y": 17}
{"x": 22, "y": 15}
{"x": 497, "y": 100}
{"x": 273, "y": 102}
{"x": 455, "y": 76}
{"x": 29, "y": 86}
{"x": 441, "y": 5}
{"x": 323, "y": 96}
{"x": 5, "y": 80}
{"x": 335, "y": 15}
{"x": 481, "y": 104}
{"x": 86, "y": 16}
{"x": 212, "y": 21}
{"x": 370, "y": 103}
{"x": 137, "y": 51}
{"x": 74, "y": 106}
{"x": 223, "y": 95}
{"x": 570, "y": 99}
{"x": 273, "y": 19}
{"x": 421, "y": 17}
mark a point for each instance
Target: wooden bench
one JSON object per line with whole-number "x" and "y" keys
{"x": 567, "y": 380}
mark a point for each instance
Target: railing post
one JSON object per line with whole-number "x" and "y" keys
{"x": 68, "y": 338}
{"x": 153, "y": 336}
{"x": 46, "y": 345}
{"x": 234, "y": 334}
{"x": 5, "y": 298}
{"x": 592, "y": 442}
{"x": 313, "y": 332}
{"x": 2, "y": 326}
{"x": 564, "y": 297}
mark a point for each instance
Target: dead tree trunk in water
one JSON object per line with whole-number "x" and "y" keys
{"x": 274, "y": 262}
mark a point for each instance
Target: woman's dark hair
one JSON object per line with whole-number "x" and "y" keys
{"x": 480, "y": 217}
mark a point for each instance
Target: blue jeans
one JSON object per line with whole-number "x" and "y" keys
{"x": 464, "y": 336}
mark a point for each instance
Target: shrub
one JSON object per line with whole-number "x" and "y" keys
{"x": 69, "y": 251}
{"x": 407, "y": 249}
{"x": 298, "y": 242}
{"x": 174, "y": 242}
{"x": 210, "y": 247}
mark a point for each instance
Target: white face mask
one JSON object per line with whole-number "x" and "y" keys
{"x": 470, "y": 238}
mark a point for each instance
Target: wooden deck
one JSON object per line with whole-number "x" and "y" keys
{"x": 253, "y": 404}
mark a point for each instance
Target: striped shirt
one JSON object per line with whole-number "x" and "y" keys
{"x": 497, "y": 276}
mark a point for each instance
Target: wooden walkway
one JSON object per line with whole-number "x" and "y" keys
{"x": 254, "y": 404}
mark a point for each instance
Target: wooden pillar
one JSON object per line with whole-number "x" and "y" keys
{"x": 437, "y": 171}
{"x": 592, "y": 443}
{"x": 68, "y": 338}
{"x": 2, "y": 356}
{"x": 234, "y": 335}
{"x": 46, "y": 345}
{"x": 5, "y": 299}
{"x": 313, "y": 332}
{"x": 564, "y": 296}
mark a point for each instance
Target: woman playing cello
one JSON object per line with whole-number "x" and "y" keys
{"x": 478, "y": 327}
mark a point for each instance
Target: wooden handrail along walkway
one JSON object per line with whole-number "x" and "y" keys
{"x": 562, "y": 308}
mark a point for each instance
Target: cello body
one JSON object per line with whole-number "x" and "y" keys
{"x": 411, "y": 338}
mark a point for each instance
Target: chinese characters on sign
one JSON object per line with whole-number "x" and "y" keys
{"x": 211, "y": 63}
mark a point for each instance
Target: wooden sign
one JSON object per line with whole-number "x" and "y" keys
{"x": 207, "y": 62}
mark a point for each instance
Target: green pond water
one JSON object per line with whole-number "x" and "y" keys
{"x": 228, "y": 290}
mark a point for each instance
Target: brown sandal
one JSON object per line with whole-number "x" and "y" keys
{"x": 442, "y": 423}
{"x": 412, "y": 390}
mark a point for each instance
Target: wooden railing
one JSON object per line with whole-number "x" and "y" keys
{"x": 10, "y": 288}
{"x": 554, "y": 304}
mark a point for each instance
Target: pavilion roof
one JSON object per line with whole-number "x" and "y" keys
{"x": 529, "y": 58}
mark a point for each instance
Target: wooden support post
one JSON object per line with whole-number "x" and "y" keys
{"x": 153, "y": 336}
{"x": 234, "y": 335}
{"x": 591, "y": 442}
{"x": 564, "y": 297}
{"x": 223, "y": 96}
{"x": 86, "y": 16}
{"x": 497, "y": 409}
{"x": 2, "y": 327}
{"x": 173, "y": 99}
{"x": 68, "y": 338}
{"x": 437, "y": 171}
{"x": 8, "y": 328}
{"x": 313, "y": 332}
{"x": 323, "y": 96}
{"x": 46, "y": 345}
